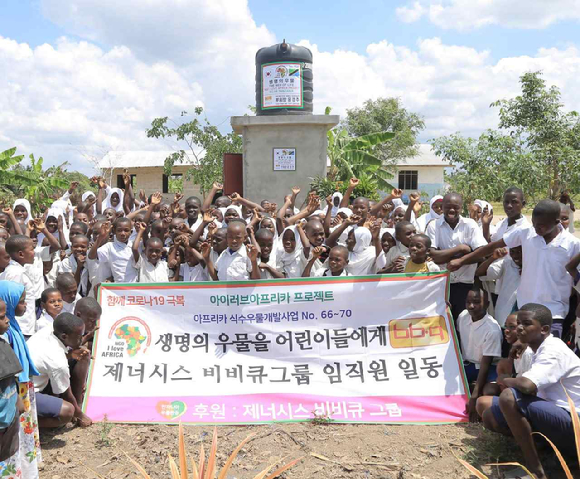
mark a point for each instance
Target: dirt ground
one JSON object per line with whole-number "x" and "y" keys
{"x": 330, "y": 451}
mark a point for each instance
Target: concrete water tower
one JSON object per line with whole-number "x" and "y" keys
{"x": 284, "y": 145}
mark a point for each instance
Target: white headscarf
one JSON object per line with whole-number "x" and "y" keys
{"x": 346, "y": 211}
{"x": 362, "y": 257}
{"x": 236, "y": 208}
{"x": 483, "y": 204}
{"x": 23, "y": 202}
{"x": 84, "y": 197}
{"x": 335, "y": 209}
{"x": 107, "y": 203}
{"x": 55, "y": 212}
{"x": 425, "y": 219}
{"x": 290, "y": 261}
{"x": 276, "y": 236}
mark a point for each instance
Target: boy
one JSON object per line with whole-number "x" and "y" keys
{"x": 57, "y": 402}
{"x": 507, "y": 271}
{"x": 453, "y": 235}
{"x": 90, "y": 312}
{"x": 481, "y": 339}
{"x": 397, "y": 257}
{"x": 513, "y": 203}
{"x": 337, "y": 262}
{"x": 152, "y": 269}
{"x": 418, "y": 249}
{"x": 537, "y": 401}
{"x": 21, "y": 251}
{"x": 10, "y": 403}
{"x": 66, "y": 284}
{"x": 237, "y": 262}
{"x": 193, "y": 268}
{"x": 51, "y": 304}
{"x": 115, "y": 258}
{"x": 78, "y": 265}
{"x": 547, "y": 248}
{"x": 192, "y": 209}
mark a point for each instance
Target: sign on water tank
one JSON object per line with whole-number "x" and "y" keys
{"x": 282, "y": 85}
{"x": 284, "y": 159}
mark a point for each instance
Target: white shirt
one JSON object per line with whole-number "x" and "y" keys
{"x": 479, "y": 338}
{"x": 465, "y": 232}
{"x": 555, "y": 367}
{"x": 150, "y": 273}
{"x": 35, "y": 270}
{"x": 398, "y": 250}
{"x": 524, "y": 362}
{"x": 118, "y": 257}
{"x": 326, "y": 272}
{"x": 193, "y": 273}
{"x": 44, "y": 321}
{"x": 544, "y": 278}
{"x": 508, "y": 277}
{"x": 69, "y": 265}
{"x": 234, "y": 265}
{"x": 291, "y": 264}
{"x": 502, "y": 227}
{"x": 48, "y": 354}
{"x": 17, "y": 273}
{"x": 70, "y": 307}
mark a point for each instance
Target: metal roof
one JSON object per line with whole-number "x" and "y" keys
{"x": 136, "y": 159}
{"x": 426, "y": 157}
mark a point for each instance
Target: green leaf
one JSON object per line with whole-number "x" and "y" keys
{"x": 367, "y": 141}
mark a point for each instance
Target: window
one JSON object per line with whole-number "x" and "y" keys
{"x": 173, "y": 183}
{"x": 121, "y": 184}
{"x": 408, "y": 180}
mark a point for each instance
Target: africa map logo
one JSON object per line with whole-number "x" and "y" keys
{"x": 134, "y": 332}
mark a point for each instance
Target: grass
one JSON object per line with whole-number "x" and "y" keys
{"x": 104, "y": 430}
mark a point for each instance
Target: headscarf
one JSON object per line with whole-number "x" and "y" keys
{"x": 362, "y": 257}
{"x": 483, "y": 204}
{"x": 10, "y": 293}
{"x": 86, "y": 194}
{"x": 290, "y": 258}
{"x": 55, "y": 212}
{"x": 346, "y": 211}
{"x": 236, "y": 208}
{"x": 425, "y": 219}
{"x": 273, "y": 220}
{"x": 335, "y": 209}
{"x": 107, "y": 203}
{"x": 23, "y": 202}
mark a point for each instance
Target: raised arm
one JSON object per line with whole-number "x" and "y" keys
{"x": 374, "y": 211}
{"x": 61, "y": 237}
{"x": 101, "y": 194}
{"x": 280, "y": 220}
{"x": 311, "y": 207}
{"x": 295, "y": 191}
{"x": 304, "y": 239}
{"x": 155, "y": 200}
{"x": 102, "y": 238}
{"x": 413, "y": 200}
{"x": 352, "y": 184}
{"x": 328, "y": 216}
{"x": 316, "y": 253}
{"x": 206, "y": 253}
{"x": 206, "y": 206}
{"x": 8, "y": 211}
{"x": 141, "y": 227}
{"x": 333, "y": 238}
{"x": 129, "y": 197}
{"x": 253, "y": 255}
{"x": 486, "y": 219}
{"x": 250, "y": 205}
{"x": 40, "y": 227}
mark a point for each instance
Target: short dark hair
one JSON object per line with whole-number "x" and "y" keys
{"x": 233, "y": 221}
{"x": 66, "y": 323}
{"x": 81, "y": 225}
{"x": 77, "y": 237}
{"x": 65, "y": 280}
{"x": 479, "y": 290}
{"x": 264, "y": 233}
{"x": 153, "y": 239}
{"x": 342, "y": 249}
{"x": 547, "y": 208}
{"x": 118, "y": 221}
{"x": 541, "y": 314}
{"x": 193, "y": 198}
{"x": 85, "y": 305}
{"x": 16, "y": 243}
{"x": 452, "y": 194}
{"x": 515, "y": 190}
{"x": 423, "y": 237}
{"x": 44, "y": 295}
{"x": 402, "y": 224}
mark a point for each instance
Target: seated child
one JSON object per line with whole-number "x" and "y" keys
{"x": 506, "y": 270}
{"x": 89, "y": 310}
{"x": 51, "y": 304}
{"x": 66, "y": 284}
{"x": 293, "y": 255}
{"x": 337, "y": 262}
{"x": 10, "y": 403}
{"x": 418, "y": 251}
{"x": 396, "y": 258}
{"x": 237, "y": 262}
{"x": 151, "y": 268}
{"x": 57, "y": 400}
{"x": 480, "y": 338}
{"x": 511, "y": 366}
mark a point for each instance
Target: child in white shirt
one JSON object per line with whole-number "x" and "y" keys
{"x": 67, "y": 285}
{"x": 292, "y": 256}
{"x": 151, "y": 268}
{"x": 51, "y": 304}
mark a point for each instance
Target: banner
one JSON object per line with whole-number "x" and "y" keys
{"x": 368, "y": 349}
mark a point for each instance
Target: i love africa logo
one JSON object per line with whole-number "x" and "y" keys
{"x": 131, "y": 333}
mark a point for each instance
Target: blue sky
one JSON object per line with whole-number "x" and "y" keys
{"x": 83, "y": 77}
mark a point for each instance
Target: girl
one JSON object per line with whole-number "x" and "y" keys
{"x": 362, "y": 255}
{"x": 51, "y": 304}
{"x": 294, "y": 252}
{"x": 435, "y": 210}
{"x": 22, "y": 210}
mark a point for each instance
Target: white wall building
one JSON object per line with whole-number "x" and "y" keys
{"x": 423, "y": 173}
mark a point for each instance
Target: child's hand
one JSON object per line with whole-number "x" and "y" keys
{"x": 235, "y": 197}
{"x": 252, "y": 252}
{"x": 81, "y": 259}
{"x": 126, "y": 179}
{"x": 295, "y": 190}
{"x": 177, "y": 198}
{"x": 317, "y": 252}
{"x": 396, "y": 193}
{"x": 156, "y": 198}
{"x": 183, "y": 228}
{"x": 80, "y": 354}
{"x": 399, "y": 265}
{"x": 414, "y": 197}
{"x": 142, "y": 196}
{"x": 500, "y": 253}
{"x": 105, "y": 231}
{"x": 211, "y": 228}
{"x": 101, "y": 183}
{"x": 353, "y": 183}
{"x": 299, "y": 225}
{"x": 91, "y": 200}
{"x": 454, "y": 265}
{"x": 352, "y": 220}
{"x": 205, "y": 250}
{"x": 217, "y": 186}
{"x": 60, "y": 223}
{"x": 73, "y": 186}
{"x": 7, "y": 210}
{"x": 337, "y": 220}
{"x": 273, "y": 208}
{"x": 329, "y": 200}
{"x": 94, "y": 180}
{"x": 487, "y": 216}
{"x": 39, "y": 224}
{"x": 141, "y": 227}
{"x": 207, "y": 217}
{"x": 369, "y": 222}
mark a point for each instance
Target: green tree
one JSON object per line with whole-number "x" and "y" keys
{"x": 387, "y": 114}
{"x": 537, "y": 148}
{"x": 206, "y": 146}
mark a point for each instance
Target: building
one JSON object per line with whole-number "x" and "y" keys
{"x": 423, "y": 173}
{"x": 146, "y": 170}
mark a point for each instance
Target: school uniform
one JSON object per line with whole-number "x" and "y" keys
{"x": 117, "y": 257}
{"x": 151, "y": 273}
{"x": 555, "y": 370}
{"x": 478, "y": 339}
{"x": 326, "y": 272}
{"x": 17, "y": 273}
{"x": 234, "y": 265}
{"x": 45, "y": 320}
{"x": 70, "y": 307}
{"x": 507, "y": 275}
{"x": 193, "y": 273}
{"x": 444, "y": 237}
{"x": 524, "y": 362}
{"x": 35, "y": 270}
{"x": 544, "y": 279}
{"x": 502, "y": 227}
{"x": 70, "y": 265}
{"x": 398, "y": 250}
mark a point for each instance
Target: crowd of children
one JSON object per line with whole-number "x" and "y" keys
{"x": 511, "y": 293}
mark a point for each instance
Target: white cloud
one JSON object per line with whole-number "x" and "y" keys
{"x": 470, "y": 14}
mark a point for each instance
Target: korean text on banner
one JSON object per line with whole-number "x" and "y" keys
{"x": 360, "y": 349}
